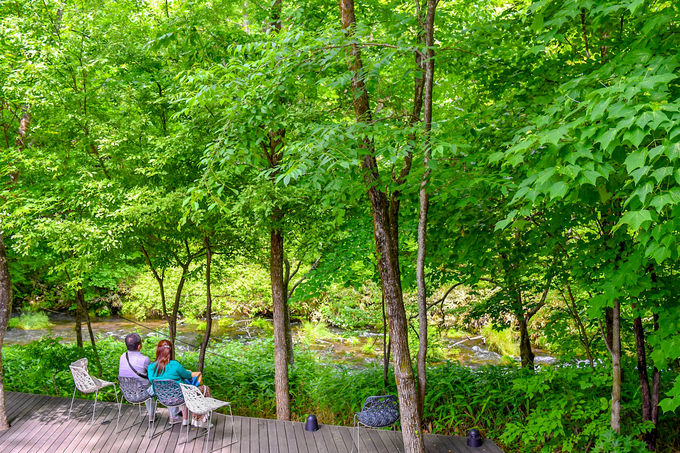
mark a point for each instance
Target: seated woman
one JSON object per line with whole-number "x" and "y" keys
{"x": 165, "y": 368}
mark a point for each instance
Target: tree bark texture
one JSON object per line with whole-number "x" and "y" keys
{"x": 160, "y": 280}
{"x": 82, "y": 305}
{"x": 289, "y": 330}
{"x": 79, "y": 326}
{"x": 279, "y": 300}
{"x": 208, "y": 305}
{"x": 525, "y": 352}
{"x": 616, "y": 367}
{"x": 385, "y": 228}
{"x": 424, "y": 206}
{"x": 5, "y": 311}
{"x": 643, "y": 376}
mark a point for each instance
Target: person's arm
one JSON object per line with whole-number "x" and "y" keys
{"x": 182, "y": 372}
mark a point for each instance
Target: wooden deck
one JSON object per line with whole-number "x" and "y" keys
{"x": 39, "y": 424}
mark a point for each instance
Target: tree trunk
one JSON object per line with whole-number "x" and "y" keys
{"x": 424, "y": 206}
{"x": 79, "y": 325}
{"x": 160, "y": 280}
{"x": 616, "y": 367}
{"x": 5, "y": 311}
{"x": 525, "y": 352}
{"x": 86, "y": 313}
{"x": 643, "y": 377}
{"x": 386, "y": 346}
{"x": 656, "y": 380}
{"x": 172, "y": 321}
{"x": 208, "y": 305}
{"x": 289, "y": 330}
{"x": 385, "y": 229}
{"x": 278, "y": 301}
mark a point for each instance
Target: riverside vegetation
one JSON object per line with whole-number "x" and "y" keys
{"x": 510, "y": 168}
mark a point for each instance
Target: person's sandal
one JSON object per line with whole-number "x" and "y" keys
{"x": 175, "y": 420}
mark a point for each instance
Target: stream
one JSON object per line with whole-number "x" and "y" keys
{"x": 352, "y": 348}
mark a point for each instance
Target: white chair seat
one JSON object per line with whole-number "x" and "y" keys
{"x": 199, "y": 404}
{"x": 87, "y": 384}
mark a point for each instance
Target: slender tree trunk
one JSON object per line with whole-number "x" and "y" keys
{"x": 172, "y": 321}
{"x": 656, "y": 380}
{"x": 160, "y": 280}
{"x": 386, "y": 346}
{"x": 525, "y": 352}
{"x": 85, "y": 311}
{"x": 289, "y": 330}
{"x": 424, "y": 206}
{"x": 208, "y": 304}
{"x": 282, "y": 354}
{"x": 278, "y": 298}
{"x": 616, "y": 367}
{"x": 79, "y": 325}
{"x": 5, "y": 311}
{"x": 643, "y": 377}
{"x": 385, "y": 229}
{"x": 573, "y": 310}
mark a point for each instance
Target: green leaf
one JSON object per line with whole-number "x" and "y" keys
{"x": 558, "y": 190}
{"x": 605, "y": 139}
{"x": 635, "y": 219}
{"x": 635, "y": 160}
{"x": 506, "y": 221}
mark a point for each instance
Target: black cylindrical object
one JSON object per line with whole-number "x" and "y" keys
{"x": 312, "y": 424}
{"x": 474, "y": 438}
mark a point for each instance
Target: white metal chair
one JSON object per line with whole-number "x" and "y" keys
{"x": 87, "y": 384}
{"x": 199, "y": 404}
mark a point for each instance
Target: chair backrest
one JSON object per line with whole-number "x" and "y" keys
{"x": 379, "y": 411}
{"x": 134, "y": 390}
{"x": 81, "y": 377}
{"x": 168, "y": 392}
{"x": 194, "y": 399}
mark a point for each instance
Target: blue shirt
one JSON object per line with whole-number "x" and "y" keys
{"x": 173, "y": 370}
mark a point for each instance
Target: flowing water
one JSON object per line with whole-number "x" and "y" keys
{"x": 354, "y": 348}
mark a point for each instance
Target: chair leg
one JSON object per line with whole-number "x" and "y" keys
{"x": 94, "y": 407}
{"x": 207, "y": 436}
{"x": 233, "y": 433}
{"x": 118, "y": 418}
{"x": 71, "y": 406}
{"x": 356, "y": 424}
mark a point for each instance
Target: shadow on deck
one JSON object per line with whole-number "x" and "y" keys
{"x": 39, "y": 424}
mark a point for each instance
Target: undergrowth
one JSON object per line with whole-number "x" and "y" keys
{"x": 554, "y": 409}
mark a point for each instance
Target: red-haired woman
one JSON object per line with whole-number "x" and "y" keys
{"x": 165, "y": 368}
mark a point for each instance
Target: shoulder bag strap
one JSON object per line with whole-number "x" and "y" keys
{"x": 133, "y": 368}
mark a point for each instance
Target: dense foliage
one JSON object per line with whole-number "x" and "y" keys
{"x": 142, "y": 138}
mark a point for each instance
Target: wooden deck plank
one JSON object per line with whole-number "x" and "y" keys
{"x": 251, "y": 445}
{"x": 348, "y": 436}
{"x": 339, "y": 439}
{"x": 379, "y": 441}
{"x": 392, "y": 439}
{"x": 316, "y": 440}
{"x": 32, "y": 427}
{"x": 29, "y": 413}
{"x": 67, "y": 428}
{"x": 273, "y": 443}
{"x": 281, "y": 439}
{"x": 44, "y": 433}
{"x": 40, "y": 425}
{"x": 262, "y": 435}
{"x": 94, "y": 432}
{"x": 299, "y": 430}
{"x": 223, "y": 437}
